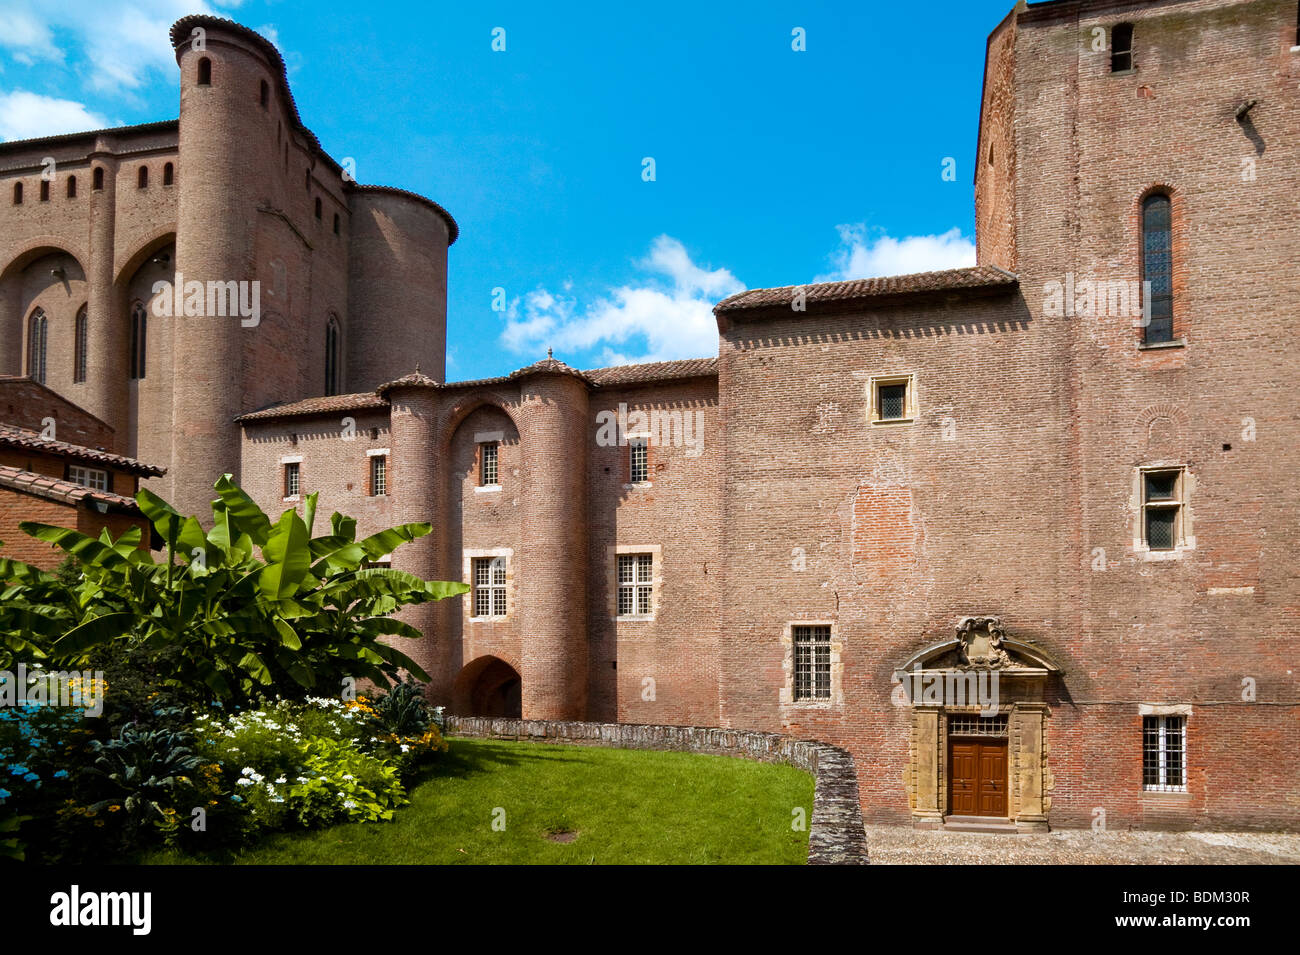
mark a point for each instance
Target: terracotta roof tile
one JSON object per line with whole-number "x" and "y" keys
{"x": 15, "y": 437}
{"x": 54, "y": 489}
{"x": 980, "y": 276}
{"x": 325, "y": 404}
{"x": 654, "y": 371}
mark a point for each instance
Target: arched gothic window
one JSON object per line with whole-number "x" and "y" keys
{"x": 139, "y": 335}
{"x": 332, "y": 356}
{"x": 1158, "y": 267}
{"x": 38, "y": 332}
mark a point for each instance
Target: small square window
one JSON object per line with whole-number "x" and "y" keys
{"x": 893, "y": 402}
{"x": 892, "y": 399}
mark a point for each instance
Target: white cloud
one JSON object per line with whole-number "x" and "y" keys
{"x": 122, "y": 40}
{"x": 26, "y": 115}
{"x": 862, "y": 255}
{"x": 668, "y": 316}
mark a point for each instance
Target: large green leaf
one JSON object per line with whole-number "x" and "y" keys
{"x": 243, "y": 510}
{"x": 94, "y": 631}
{"x": 288, "y": 558}
{"x": 86, "y": 549}
{"x": 387, "y": 541}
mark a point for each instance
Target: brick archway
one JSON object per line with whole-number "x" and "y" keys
{"x": 488, "y": 686}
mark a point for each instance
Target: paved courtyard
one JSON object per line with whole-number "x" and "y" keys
{"x": 898, "y": 845}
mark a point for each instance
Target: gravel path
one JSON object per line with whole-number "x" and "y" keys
{"x": 900, "y": 845}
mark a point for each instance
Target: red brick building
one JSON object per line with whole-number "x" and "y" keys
{"x": 1020, "y": 536}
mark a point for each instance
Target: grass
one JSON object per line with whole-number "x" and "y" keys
{"x": 567, "y": 805}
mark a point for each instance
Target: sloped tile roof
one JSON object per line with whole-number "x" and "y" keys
{"x": 15, "y": 437}
{"x": 54, "y": 489}
{"x": 325, "y": 404}
{"x": 654, "y": 371}
{"x": 980, "y": 276}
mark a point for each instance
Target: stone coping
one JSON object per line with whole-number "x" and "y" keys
{"x": 836, "y": 835}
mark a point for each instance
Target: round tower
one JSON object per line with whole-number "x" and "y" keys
{"x": 417, "y": 497}
{"x": 397, "y": 285}
{"x": 228, "y": 160}
{"x": 553, "y": 563}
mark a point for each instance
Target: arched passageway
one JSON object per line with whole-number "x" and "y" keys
{"x": 488, "y": 686}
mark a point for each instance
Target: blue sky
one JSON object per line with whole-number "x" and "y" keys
{"x": 772, "y": 166}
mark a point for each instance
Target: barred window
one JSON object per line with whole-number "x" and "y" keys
{"x": 812, "y": 663}
{"x": 89, "y": 477}
{"x": 972, "y": 724}
{"x": 893, "y": 402}
{"x": 292, "y": 480}
{"x": 489, "y": 587}
{"x": 892, "y": 398}
{"x": 378, "y": 475}
{"x": 1162, "y": 509}
{"x": 639, "y": 461}
{"x": 1164, "y": 752}
{"x": 635, "y": 584}
{"x": 488, "y": 473}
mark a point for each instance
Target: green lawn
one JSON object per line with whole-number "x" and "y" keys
{"x": 617, "y": 807}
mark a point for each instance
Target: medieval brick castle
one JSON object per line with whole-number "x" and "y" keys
{"x": 1021, "y": 536}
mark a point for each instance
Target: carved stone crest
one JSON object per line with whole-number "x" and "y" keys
{"x": 980, "y": 641}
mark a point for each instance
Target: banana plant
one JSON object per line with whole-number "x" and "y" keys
{"x": 247, "y": 607}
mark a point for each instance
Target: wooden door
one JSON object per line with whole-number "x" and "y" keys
{"x": 993, "y": 778}
{"x": 963, "y": 773}
{"x": 977, "y": 778}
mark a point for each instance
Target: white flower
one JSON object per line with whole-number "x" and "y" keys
{"x": 282, "y": 779}
{"x": 349, "y": 776}
{"x": 405, "y": 748}
{"x": 349, "y": 804}
{"x": 243, "y": 782}
{"x": 248, "y": 771}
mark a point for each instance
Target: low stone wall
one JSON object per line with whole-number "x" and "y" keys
{"x": 835, "y": 836}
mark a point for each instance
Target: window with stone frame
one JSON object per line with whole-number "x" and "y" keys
{"x": 489, "y": 587}
{"x": 812, "y": 662}
{"x": 891, "y": 399}
{"x": 1162, "y": 508}
{"x": 635, "y": 585}
{"x": 1164, "y": 754}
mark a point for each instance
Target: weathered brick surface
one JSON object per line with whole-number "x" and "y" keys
{"x": 835, "y": 836}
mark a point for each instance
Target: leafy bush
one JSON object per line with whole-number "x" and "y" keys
{"x": 252, "y": 608}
